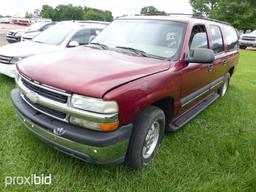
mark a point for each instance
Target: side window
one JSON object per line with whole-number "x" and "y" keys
{"x": 231, "y": 37}
{"x": 82, "y": 37}
{"x": 217, "y": 41}
{"x": 198, "y": 38}
{"x": 95, "y": 31}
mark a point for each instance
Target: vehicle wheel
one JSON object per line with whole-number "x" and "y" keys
{"x": 242, "y": 47}
{"x": 222, "y": 91}
{"x": 146, "y": 137}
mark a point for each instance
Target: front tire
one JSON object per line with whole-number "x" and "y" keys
{"x": 146, "y": 137}
{"x": 243, "y": 47}
{"x": 223, "y": 90}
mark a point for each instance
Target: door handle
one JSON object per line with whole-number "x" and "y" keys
{"x": 210, "y": 67}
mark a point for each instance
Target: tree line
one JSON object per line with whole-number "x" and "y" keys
{"x": 240, "y": 14}
{"x": 70, "y": 12}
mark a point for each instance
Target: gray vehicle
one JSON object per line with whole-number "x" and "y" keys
{"x": 248, "y": 40}
{"x": 14, "y": 36}
{"x": 62, "y": 35}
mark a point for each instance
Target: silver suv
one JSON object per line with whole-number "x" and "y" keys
{"x": 248, "y": 40}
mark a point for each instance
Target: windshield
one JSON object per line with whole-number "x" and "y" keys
{"x": 36, "y": 26}
{"x": 153, "y": 37}
{"x": 54, "y": 35}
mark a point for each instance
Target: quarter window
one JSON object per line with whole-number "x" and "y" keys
{"x": 217, "y": 41}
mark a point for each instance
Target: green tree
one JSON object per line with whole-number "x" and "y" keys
{"x": 48, "y": 12}
{"x": 97, "y": 14}
{"x": 203, "y": 8}
{"x": 241, "y": 14}
{"x": 151, "y": 10}
{"x": 70, "y": 12}
{"x": 28, "y": 15}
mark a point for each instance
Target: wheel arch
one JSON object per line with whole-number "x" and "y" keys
{"x": 167, "y": 105}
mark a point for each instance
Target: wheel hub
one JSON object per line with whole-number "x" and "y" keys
{"x": 151, "y": 140}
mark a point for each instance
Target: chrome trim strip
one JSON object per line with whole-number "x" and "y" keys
{"x": 216, "y": 85}
{"x": 193, "y": 96}
{"x": 65, "y": 108}
{"x": 98, "y": 154}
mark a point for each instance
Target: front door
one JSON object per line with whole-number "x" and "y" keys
{"x": 195, "y": 76}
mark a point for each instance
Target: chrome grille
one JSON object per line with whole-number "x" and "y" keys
{"x": 45, "y": 92}
{"x": 49, "y": 93}
{"x": 248, "y": 38}
{"x": 5, "y": 59}
{"x": 49, "y": 112}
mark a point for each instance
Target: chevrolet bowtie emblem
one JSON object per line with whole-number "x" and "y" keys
{"x": 59, "y": 131}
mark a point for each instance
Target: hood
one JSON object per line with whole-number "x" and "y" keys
{"x": 89, "y": 71}
{"x": 26, "y": 48}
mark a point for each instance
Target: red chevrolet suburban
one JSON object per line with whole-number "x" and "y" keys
{"x": 112, "y": 100}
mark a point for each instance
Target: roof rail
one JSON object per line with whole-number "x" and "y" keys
{"x": 215, "y": 20}
{"x": 91, "y": 21}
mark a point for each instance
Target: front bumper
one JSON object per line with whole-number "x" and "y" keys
{"x": 12, "y": 39}
{"x": 247, "y": 43}
{"x": 8, "y": 70}
{"x": 85, "y": 144}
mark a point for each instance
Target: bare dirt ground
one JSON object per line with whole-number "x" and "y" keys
{"x": 4, "y": 28}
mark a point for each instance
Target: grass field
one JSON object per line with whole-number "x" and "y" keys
{"x": 214, "y": 152}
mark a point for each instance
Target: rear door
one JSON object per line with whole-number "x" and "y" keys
{"x": 219, "y": 65}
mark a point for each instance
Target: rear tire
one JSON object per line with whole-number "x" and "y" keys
{"x": 147, "y": 135}
{"x": 223, "y": 90}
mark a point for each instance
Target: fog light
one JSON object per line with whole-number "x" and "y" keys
{"x": 93, "y": 125}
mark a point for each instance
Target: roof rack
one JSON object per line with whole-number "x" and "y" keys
{"x": 91, "y": 21}
{"x": 215, "y": 20}
{"x": 179, "y": 14}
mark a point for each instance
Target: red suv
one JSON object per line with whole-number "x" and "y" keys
{"x": 112, "y": 100}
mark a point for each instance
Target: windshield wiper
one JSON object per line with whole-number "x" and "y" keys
{"x": 137, "y": 51}
{"x": 98, "y": 44}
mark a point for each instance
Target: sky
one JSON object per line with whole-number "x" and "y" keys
{"x": 117, "y": 7}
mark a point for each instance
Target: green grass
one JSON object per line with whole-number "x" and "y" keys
{"x": 214, "y": 152}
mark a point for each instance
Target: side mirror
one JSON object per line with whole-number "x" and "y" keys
{"x": 91, "y": 38}
{"x": 73, "y": 44}
{"x": 200, "y": 55}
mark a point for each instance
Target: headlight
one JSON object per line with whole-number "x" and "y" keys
{"x": 96, "y": 106}
{"x": 93, "y": 104}
{"x": 15, "y": 60}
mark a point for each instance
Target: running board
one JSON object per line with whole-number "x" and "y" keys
{"x": 186, "y": 117}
